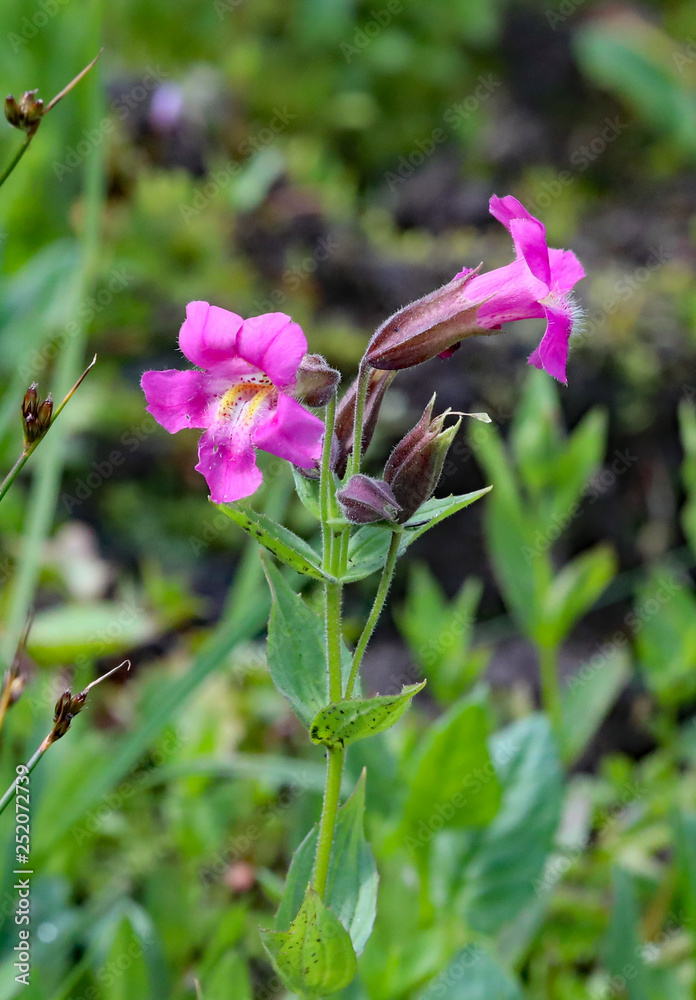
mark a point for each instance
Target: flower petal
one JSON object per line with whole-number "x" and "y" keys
{"x": 177, "y": 399}
{"x": 274, "y": 344}
{"x": 506, "y": 294}
{"x": 529, "y": 236}
{"x": 208, "y": 336}
{"x": 508, "y": 208}
{"x": 229, "y": 468}
{"x": 566, "y": 269}
{"x": 291, "y": 432}
{"x": 552, "y": 352}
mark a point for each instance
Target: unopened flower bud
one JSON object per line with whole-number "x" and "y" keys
{"x": 345, "y": 417}
{"x": 317, "y": 381}
{"x": 67, "y": 707}
{"x": 364, "y": 500}
{"x": 427, "y": 327}
{"x": 36, "y": 414}
{"x": 25, "y": 114}
{"x": 415, "y": 465}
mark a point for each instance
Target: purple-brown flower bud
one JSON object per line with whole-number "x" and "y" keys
{"x": 427, "y": 327}
{"x": 36, "y": 414}
{"x": 67, "y": 707}
{"x": 364, "y": 500}
{"x": 345, "y": 416}
{"x": 317, "y": 381}
{"x": 25, "y": 114}
{"x": 415, "y": 465}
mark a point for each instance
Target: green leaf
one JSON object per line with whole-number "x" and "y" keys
{"x": 438, "y": 633}
{"x": 308, "y": 492}
{"x": 343, "y": 722}
{"x": 622, "y": 945}
{"x": 664, "y": 622}
{"x": 228, "y": 978}
{"x": 511, "y": 853}
{"x": 351, "y": 886}
{"x": 451, "y": 780}
{"x": 587, "y": 698}
{"x": 283, "y": 543}
{"x": 368, "y": 547}
{"x": 684, "y": 824}
{"x": 473, "y": 974}
{"x": 573, "y": 592}
{"x": 99, "y": 628}
{"x": 315, "y": 956}
{"x": 296, "y": 649}
{"x": 518, "y": 549}
{"x": 133, "y": 979}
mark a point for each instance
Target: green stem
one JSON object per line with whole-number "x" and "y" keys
{"x": 14, "y": 471}
{"x": 31, "y": 764}
{"x": 44, "y": 490}
{"x": 325, "y": 483}
{"x": 380, "y": 598}
{"x": 360, "y": 397}
{"x": 332, "y": 605}
{"x": 550, "y": 688}
{"x": 15, "y": 159}
{"x": 327, "y": 824}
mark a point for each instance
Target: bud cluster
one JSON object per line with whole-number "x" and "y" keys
{"x": 37, "y": 415}
{"x": 26, "y": 113}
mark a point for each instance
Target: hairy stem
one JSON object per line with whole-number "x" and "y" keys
{"x": 360, "y": 397}
{"x": 380, "y": 598}
{"x": 334, "y": 773}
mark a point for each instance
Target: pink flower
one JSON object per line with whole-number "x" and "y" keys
{"x": 241, "y": 397}
{"x": 537, "y": 284}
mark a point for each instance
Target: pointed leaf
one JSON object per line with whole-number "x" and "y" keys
{"x": 473, "y": 974}
{"x": 511, "y": 852}
{"x": 587, "y": 699}
{"x": 296, "y": 649}
{"x": 452, "y": 781}
{"x": 573, "y": 592}
{"x": 368, "y": 547}
{"x": 315, "y": 957}
{"x": 351, "y": 886}
{"x": 283, "y": 543}
{"x": 343, "y": 722}
{"x": 622, "y": 946}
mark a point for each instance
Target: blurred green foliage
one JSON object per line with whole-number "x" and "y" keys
{"x": 163, "y": 824}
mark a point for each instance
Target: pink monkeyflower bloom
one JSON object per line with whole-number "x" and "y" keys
{"x": 537, "y": 284}
{"x": 241, "y": 397}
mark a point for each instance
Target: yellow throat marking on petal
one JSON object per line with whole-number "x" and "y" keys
{"x": 242, "y": 400}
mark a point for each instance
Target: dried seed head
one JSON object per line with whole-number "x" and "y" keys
{"x": 25, "y": 114}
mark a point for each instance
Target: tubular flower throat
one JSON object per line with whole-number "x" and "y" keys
{"x": 241, "y": 398}
{"x": 537, "y": 284}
